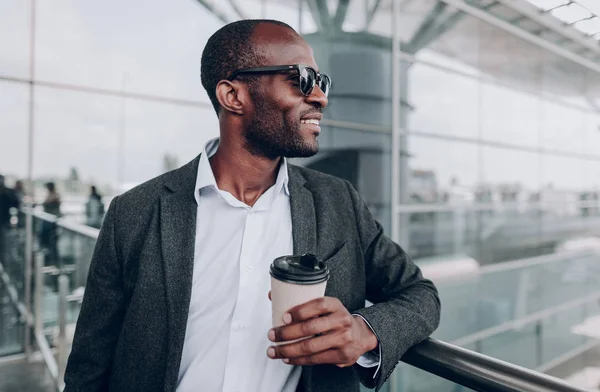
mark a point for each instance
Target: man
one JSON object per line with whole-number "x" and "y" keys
{"x": 176, "y": 298}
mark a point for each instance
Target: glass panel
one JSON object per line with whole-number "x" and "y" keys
{"x": 442, "y": 235}
{"x": 361, "y": 157}
{"x": 557, "y": 334}
{"x": 562, "y": 180}
{"x": 14, "y": 40}
{"x": 111, "y": 45}
{"x": 14, "y": 139}
{"x": 563, "y": 128}
{"x": 14, "y": 135}
{"x": 161, "y": 137}
{"x": 592, "y": 135}
{"x": 442, "y": 171}
{"x": 119, "y": 142}
{"x": 510, "y": 225}
{"x": 509, "y": 116}
{"x": 11, "y": 329}
{"x": 474, "y": 301}
{"x": 12, "y": 256}
{"x": 444, "y": 103}
{"x": 411, "y": 379}
{"x": 517, "y": 346}
{"x": 562, "y": 174}
{"x": 590, "y": 198}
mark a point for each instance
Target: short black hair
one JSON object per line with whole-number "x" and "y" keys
{"x": 230, "y": 49}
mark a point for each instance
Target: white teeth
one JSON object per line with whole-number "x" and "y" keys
{"x": 310, "y": 121}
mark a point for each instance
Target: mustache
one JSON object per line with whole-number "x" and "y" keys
{"x": 311, "y": 111}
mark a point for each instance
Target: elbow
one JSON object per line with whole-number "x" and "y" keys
{"x": 434, "y": 306}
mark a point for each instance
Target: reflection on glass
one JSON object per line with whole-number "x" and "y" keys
{"x": 14, "y": 139}
{"x": 362, "y": 158}
{"x": 509, "y": 116}
{"x": 442, "y": 171}
{"x": 563, "y": 128}
{"x": 108, "y": 45}
{"x": 119, "y": 142}
{"x": 14, "y": 41}
{"x": 444, "y": 103}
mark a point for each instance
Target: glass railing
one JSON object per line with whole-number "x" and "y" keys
{"x": 494, "y": 232}
{"x": 460, "y": 369}
{"x": 524, "y": 312}
{"x": 60, "y": 254}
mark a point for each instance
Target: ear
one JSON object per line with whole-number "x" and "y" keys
{"x": 232, "y": 96}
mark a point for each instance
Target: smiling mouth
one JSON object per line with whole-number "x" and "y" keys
{"x": 310, "y": 121}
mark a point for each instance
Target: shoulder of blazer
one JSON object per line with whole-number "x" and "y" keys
{"x": 180, "y": 180}
{"x": 316, "y": 180}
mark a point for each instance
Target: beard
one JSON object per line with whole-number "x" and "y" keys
{"x": 273, "y": 134}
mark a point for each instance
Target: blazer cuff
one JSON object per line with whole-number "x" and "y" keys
{"x": 372, "y": 358}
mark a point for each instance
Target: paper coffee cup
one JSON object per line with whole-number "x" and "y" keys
{"x": 295, "y": 280}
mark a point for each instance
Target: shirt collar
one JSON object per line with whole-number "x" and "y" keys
{"x": 206, "y": 178}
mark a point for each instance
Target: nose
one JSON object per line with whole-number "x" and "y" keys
{"x": 317, "y": 98}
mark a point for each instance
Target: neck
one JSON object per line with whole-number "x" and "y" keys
{"x": 244, "y": 175}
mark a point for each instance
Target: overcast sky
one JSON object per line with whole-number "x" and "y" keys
{"x": 154, "y": 47}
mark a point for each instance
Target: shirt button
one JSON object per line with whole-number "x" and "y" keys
{"x": 249, "y": 268}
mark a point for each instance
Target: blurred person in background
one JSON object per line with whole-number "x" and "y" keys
{"x": 48, "y": 230}
{"x": 94, "y": 209}
{"x": 8, "y": 200}
{"x": 20, "y": 194}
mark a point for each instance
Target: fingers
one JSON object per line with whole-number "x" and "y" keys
{"x": 315, "y": 308}
{"x": 305, "y": 347}
{"x": 326, "y": 349}
{"x": 324, "y": 357}
{"x": 314, "y": 326}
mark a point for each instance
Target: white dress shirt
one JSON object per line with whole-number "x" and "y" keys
{"x": 230, "y": 314}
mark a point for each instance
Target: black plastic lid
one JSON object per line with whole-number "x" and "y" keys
{"x": 305, "y": 269}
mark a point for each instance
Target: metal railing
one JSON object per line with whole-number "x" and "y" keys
{"x": 480, "y": 372}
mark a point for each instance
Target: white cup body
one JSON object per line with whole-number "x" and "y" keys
{"x": 285, "y": 296}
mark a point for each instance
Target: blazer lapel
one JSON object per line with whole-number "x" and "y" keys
{"x": 304, "y": 222}
{"x": 304, "y": 233}
{"x": 178, "y": 232}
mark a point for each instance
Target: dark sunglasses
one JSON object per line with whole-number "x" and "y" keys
{"x": 308, "y": 78}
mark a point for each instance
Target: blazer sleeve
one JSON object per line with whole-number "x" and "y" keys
{"x": 406, "y": 306}
{"x": 101, "y": 317}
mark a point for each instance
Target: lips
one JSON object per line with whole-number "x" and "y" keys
{"x": 313, "y": 121}
{"x": 313, "y": 118}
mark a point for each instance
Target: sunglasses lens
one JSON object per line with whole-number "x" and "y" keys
{"x": 325, "y": 84}
{"x": 307, "y": 80}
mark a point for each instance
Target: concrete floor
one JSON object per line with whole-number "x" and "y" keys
{"x": 19, "y": 376}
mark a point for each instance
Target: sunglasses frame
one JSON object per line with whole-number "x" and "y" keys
{"x": 319, "y": 77}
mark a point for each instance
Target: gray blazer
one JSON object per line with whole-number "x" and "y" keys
{"x": 131, "y": 328}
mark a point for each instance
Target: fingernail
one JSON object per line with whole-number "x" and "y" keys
{"x": 285, "y": 360}
{"x": 287, "y": 318}
{"x": 271, "y": 352}
{"x": 272, "y": 335}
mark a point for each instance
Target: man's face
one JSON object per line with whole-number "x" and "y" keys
{"x": 282, "y": 119}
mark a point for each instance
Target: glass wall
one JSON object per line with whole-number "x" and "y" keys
{"x": 501, "y": 144}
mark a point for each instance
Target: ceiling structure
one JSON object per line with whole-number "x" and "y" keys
{"x": 549, "y": 44}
